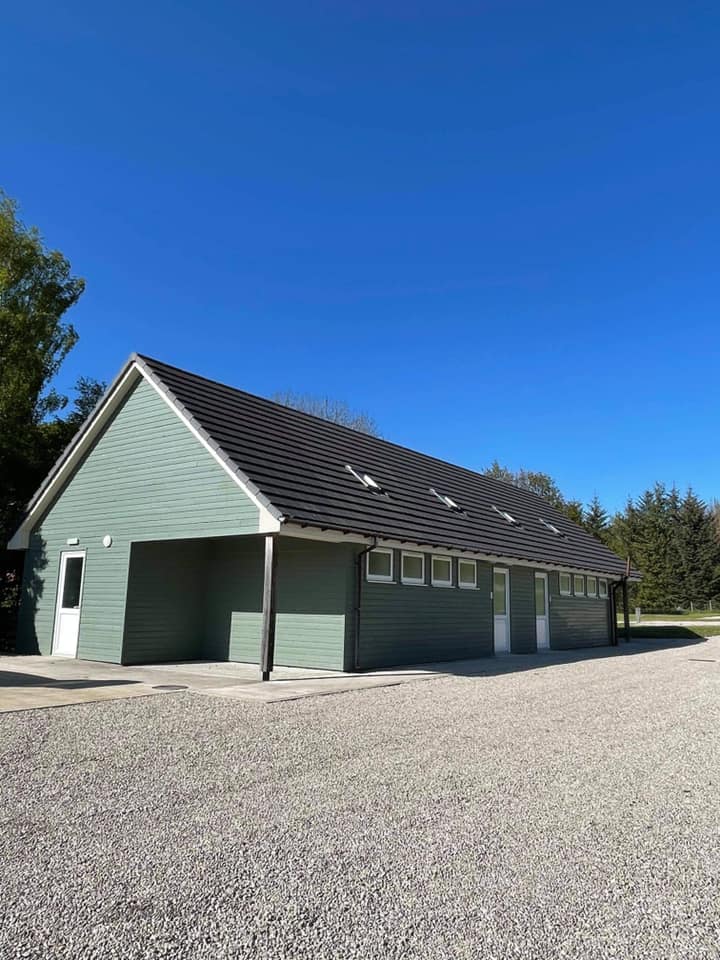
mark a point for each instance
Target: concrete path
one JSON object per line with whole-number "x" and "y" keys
{"x": 34, "y": 682}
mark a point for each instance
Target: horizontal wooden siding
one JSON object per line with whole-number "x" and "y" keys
{"x": 401, "y": 624}
{"x": 577, "y": 622}
{"x": 146, "y": 478}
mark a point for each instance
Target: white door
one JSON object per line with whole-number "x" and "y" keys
{"x": 542, "y": 625}
{"x": 501, "y": 606}
{"x": 67, "y": 612}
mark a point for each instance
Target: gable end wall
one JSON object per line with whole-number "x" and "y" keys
{"x": 146, "y": 478}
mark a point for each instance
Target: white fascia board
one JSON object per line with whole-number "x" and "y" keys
{"x": 270, "y": 518}
{"x": 63, "y": 467}
{"x": 337, "y": 536}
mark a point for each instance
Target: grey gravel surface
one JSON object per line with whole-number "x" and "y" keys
{"x": 565, "y": 811}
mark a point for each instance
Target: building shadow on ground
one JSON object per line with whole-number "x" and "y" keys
{"x": 14, "y": 678}
{"x": 521, "y": 662}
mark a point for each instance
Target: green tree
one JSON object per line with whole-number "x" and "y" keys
{"x": 655, "y": 549}
{"x": 595, "y": 519}
{"x": 698, "y": 554}
{"x": 621, "y": 532}
{"x": 539, "y": 483}
{"x": 37, "y": 289}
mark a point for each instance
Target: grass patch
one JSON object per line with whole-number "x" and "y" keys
{"x": 694, "y": 615}
{"x": 649, "y": 632}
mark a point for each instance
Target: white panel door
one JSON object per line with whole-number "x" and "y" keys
{"x": 542, "y": 624}
{"x": 67, "y": 612}
{"x": 501, "y": 607}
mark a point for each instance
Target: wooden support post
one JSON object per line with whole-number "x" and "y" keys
{"x": 267, "y": 643}
{"x": 626, "y": 611}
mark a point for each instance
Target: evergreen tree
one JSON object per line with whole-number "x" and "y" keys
{"x": 698, "y": 556}
{"x": 595, "y": 519}
{"x": 654, "y": 550}
{"x": 621, "y": 532}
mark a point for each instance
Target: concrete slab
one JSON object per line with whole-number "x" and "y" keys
{"x": 34, "y": 682}
{"x": 29, "y": 686}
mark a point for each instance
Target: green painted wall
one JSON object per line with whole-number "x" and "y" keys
{"x": 164, "y": 618}
{"x": 402, "y": 624}
{"x": 522, "y": 610}
{"x": 146, "y": 478}
{"x": 577, "y": 622}
{"x": 411, "y": 624}
{"x": 233, "y": 600}
{"x": 313, "y": 615}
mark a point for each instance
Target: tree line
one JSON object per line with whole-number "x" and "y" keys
{"x": 673, "y": 538}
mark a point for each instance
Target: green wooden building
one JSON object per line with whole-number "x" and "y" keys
{"x": 190, "y": 520}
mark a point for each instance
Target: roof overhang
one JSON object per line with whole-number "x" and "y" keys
{"x": 345, "y": 536}
{"x": 133, "y": 371}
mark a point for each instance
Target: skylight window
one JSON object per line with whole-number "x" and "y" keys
{"x": 366, "y": 480}
{"x": 506, "y": 516}
{"x": 550, "y": 526}
{"x": 448, "y": 501}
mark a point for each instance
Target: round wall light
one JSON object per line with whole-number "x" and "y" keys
{"x": 107, "y": 540}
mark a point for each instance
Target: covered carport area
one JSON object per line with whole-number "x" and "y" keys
{"x": 198, "y": 599}
{"x": 256, "y": 599}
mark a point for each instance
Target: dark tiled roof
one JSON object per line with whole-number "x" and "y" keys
{"x": 298, "y": 461}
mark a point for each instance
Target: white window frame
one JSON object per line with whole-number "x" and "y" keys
{"x": 440, "y": 583}
{"x": 380, "y": 577}
{"x": 603, "y": 588}
{"x": 412, "y": 581}
{"x": 587, "y": 586}
{"x": 467, "y": 586}
{"x": 568, "y": 592}
{"x": 576, "y": 577}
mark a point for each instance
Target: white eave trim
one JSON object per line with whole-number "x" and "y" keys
{"x": 270, "y": 518}
{"x": 337, "y": 536}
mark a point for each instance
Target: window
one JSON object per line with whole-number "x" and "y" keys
{"x": 592, "y": 586}
{"x": 366, "y": 480}
{"x": 448, "y": 501}
{"x": 380, "y": 564}
{"x": 412, "y": 568}
{"x": 500, "y": 593}
{"x": 73, "y": 583}
{"x": 579, "y": 589}
{"x": 603, "y": 588}
{"x": 550, "y": 526}
{"x": 565, "y": 584}
{"x": 506, "y": 516}
{"x": 441, "y": 572}
{"x": 467, "y": 574}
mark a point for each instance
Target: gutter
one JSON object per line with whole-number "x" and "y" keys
{"x": 358, "y": 601}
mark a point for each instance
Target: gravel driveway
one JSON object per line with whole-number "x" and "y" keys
{"x": 565, "y": 811}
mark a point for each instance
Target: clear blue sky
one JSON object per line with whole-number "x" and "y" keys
{"x": 494, "y": 225}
